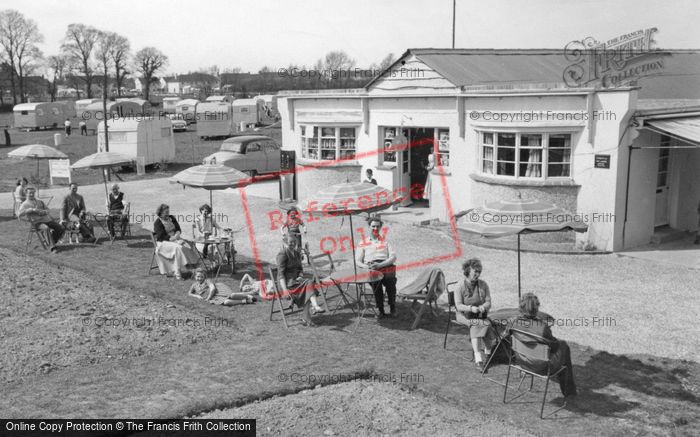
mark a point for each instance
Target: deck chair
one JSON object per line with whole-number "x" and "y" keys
{"x": 41, "y": 234}
{"x": 426, "y": 289}
{"x": 534, "y": 348}
{"x": 459, "y": 319}
{"x": 275, "y": 297}
{"x": 154, "y": 264}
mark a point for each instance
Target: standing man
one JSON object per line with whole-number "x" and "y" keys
{"x": 370, "y": 179}
{"x": 379, "y": 255}
{"x": 37, "y": 213}
{"x": 66, "y": 125}
{"x": 83, "y": 127}
{"x": 73, "y": 210}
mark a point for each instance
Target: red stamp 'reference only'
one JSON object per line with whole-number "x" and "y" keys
{"x": 313, "y": 212}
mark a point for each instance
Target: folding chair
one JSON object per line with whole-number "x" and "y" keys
{"x": 535, "y": 349}
{"x": 459, "y": 318}
{"x": 275, "y": 297}
{"x": 126, "y": 224}
{"x": 427, "y": 287}
{"x": 41, "y": 234}
{"x": 155, "y": 254}
{"x": 323, "y": 267}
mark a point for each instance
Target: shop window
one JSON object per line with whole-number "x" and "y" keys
{"x": 389, "y": 134}
{"x": 525, "y": 155}
{"x": 443, "y": 149}
{"x": 328, "y": 142}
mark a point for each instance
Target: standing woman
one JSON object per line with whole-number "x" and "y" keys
{"x": 174, "y": 253}
{"x": 207, "y": 225}
{"x": 473, "y": 300}
{"x": 294, "y": 226}
{"x": 429, "y": 167}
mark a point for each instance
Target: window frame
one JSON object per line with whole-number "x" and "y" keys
{"x": 544, "y": 160}
{"x": 312, "y": 146}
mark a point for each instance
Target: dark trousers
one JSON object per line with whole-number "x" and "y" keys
{"x": 388, "y": 282}
{"x": 83, "y": 130}
{"x": 55, "y": 230}
{"x": 562, "y": 357}
{"x": 122, "y": 220}
{"x": 68, "y": 129}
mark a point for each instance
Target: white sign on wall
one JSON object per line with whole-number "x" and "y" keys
{"x": 59, "y": 168}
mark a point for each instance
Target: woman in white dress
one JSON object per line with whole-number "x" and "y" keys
{"x": 173, "y": 252}
{"x": 205, "y": 224}
{"x": 429, "y": 168}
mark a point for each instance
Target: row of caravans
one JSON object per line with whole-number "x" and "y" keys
{"x": 42, "y": 115}
{"x": 222, "y": 118}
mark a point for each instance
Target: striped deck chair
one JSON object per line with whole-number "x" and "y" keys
{"x": 424, "y": 292}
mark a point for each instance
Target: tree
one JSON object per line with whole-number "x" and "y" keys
{"x": 386, "y": 62}
{"x": 58, "y": 66}
{"x": 149, "y": 60}
{"x": 19, "y": 37}
{"x": 103, "y": 52}
{"x": 79, "y": 43}
{"x": 120, "y": 58}
{"x": 336, "y": 66}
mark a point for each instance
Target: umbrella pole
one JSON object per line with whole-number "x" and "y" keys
{"x": 104, "y": 179}
{"x": 518, "y": 267}
{"x": 37, "y": 171}
{"x": 352, "y": 239}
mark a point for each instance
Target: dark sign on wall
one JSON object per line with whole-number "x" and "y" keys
{"x": 602, "y": 161}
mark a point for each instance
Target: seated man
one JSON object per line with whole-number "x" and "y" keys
{"x": 115, "y": 209}
{"x": 560, "y": 354}
{"x": 73, "y": 213}
{"x": 37, "y": 213}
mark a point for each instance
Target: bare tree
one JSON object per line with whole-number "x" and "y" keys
{"x": 58, "y": 66}
{"x": 149, "y": 60}
{"x": 336, "y": 65}
{"x": 79, "y": 43}
{"x": 387, "y": 61}
{"x": 19, "y": 37}
{"x": 103, "y": 53}
{"x": 120, "y": 57}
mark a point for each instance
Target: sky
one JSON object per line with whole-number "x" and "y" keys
{"x": 250, "y": 34}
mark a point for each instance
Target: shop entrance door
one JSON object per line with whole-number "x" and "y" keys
{"x": 662, "y": 184}
{"x": 422, "y": 142}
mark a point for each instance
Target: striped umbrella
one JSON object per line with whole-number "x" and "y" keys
{"x": 516, "y": 217}
{"x": 211, "y": 177}
{"x": 37, "y": 151}
{"x": 350, "y": 198}
{"x": 103, "y": 160}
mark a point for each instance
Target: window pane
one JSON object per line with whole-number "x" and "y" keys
{"x": 303, "y": 130}
{"x": 558, "y": 170}
{"x": 389, "y": 135}
{"x": 560, "y": 140}
{"x": 506, "y": 168}
{"x": 531, "y": 170}
{"x": 487, "y": 167}
{"x": 506, "y": 140}
{"x": 661, "y": 180}
{"x": 347, "y": 132}
{"x": 663, "y": 164}
{"x": 530, "y": 156}
{"x": 488, "y": 138}
{"x": 328, "y": 132}
{"x": 506, "y": 154}
{"x": 531, "y": 140}
{"x": 488, "y": 153}
{"x": 559, "y": 155}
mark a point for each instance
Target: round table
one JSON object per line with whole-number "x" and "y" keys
{"x": 363, "y": 277}
{"x": 228, "y": 255}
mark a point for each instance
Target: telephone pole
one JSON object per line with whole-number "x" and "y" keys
{"x": 454, "y": 18}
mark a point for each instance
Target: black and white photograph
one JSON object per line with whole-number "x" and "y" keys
{"x": 332, "y": 218}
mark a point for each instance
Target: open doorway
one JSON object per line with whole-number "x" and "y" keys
{"x": 421, "y": 142}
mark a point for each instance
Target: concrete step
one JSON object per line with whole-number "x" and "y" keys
{"x": 664, "y": 234}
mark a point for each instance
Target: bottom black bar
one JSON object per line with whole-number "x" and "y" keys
{"x": 124, "y": 427}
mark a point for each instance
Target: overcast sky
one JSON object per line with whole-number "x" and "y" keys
{"x": 252, "y": 33}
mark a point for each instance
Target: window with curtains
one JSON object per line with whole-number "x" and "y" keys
{"x": 327, "y": 142}
{"x": 525, "y": 155}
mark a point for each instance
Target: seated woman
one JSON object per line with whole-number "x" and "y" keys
{"x": 20, "y": 195}
{"x": 115, "y": 209}
{"x": 292, "y": 283}
{"x": 560, "y": 354}
{"x": 473, "y": 300}
{"x": 174, "y": 253}
{"x": 203, "y": 288}
{"x": 205, "y": 224}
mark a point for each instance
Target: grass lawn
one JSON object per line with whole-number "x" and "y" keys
{"x": 189, "y": 150}
{"x": 639, "y": 393}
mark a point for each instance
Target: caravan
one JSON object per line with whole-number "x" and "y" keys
{"x": 40, "y": 115}
{"x": 170, "y": 104}
{"x": 246, "y": 113}
{"x": 94, "y": 113}
{"x": 214, "y": 119}
{"x": 81, "y": 106}
{"x": 187, "y": 110}
{"x": 149, "y": 139}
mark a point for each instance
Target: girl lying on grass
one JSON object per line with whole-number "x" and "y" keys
{"x": 203, "y": 288}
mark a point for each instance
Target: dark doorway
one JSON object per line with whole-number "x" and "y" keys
{"x": 421, "y": 145}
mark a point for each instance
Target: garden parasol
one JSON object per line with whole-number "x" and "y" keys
{"x": 103, "y": 160}
{"x": 515, "y": 217}
{"x": 211, "y": 177}
{"x": 38, "y": 152}
{"x": 350, "y": 198}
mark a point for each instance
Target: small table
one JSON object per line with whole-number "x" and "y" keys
{"x": 227, "y": 255}
{"x": 101, "y": 221}
{"x": 363, "y": 276}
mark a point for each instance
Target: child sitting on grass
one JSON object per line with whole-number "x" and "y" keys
{"x": 203, "y": 288}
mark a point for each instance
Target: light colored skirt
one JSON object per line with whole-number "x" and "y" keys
{"x": 172, "y": 257}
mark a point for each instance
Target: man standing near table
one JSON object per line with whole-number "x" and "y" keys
{"x": 378, "y": 254}
{"x": 73, "y": 211}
